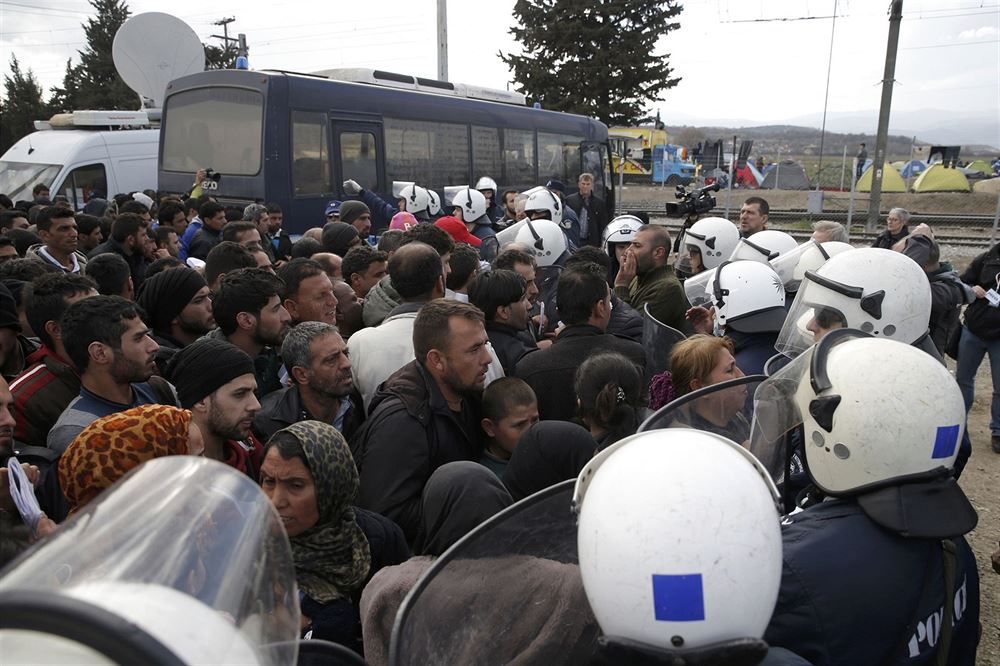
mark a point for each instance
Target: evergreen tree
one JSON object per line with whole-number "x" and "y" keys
{"x": 22, "y": 105}
{"x": 596, "y": 58}
{"x": 65, "y": 99}
{"x": 100, "y": 87}
{"x": 220, "y": 57}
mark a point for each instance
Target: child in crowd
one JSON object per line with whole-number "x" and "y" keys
{"x": 509, "y": 408}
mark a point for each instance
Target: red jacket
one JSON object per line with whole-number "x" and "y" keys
{"x": 41, "y": 393}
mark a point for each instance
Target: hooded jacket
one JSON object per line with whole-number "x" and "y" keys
{"x": 410, "y": 432}
{"x": 380, "y": 301}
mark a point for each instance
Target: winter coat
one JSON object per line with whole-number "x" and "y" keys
{"x": 982, "y": 319}
{"x": 664, "y": 293}
{"x": 948, "y": 295}
{"x": 597, "y": 217}
{"x": 380, "y": 301}
{"x": 510, "y": 345}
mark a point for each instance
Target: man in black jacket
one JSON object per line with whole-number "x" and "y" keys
{"x": 322, "y": 387}
{"x": 502, "y": 295}
{"x": 426, "y": 414}
{"x": 585, "y": 309}
{"x": 128, "y": 239}
{"x": 590, "y": 209}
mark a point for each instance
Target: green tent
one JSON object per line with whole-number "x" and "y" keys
{"x": 891, "y": 180}
{"x": 979, "y": 165}
{"x": 937, "y": 178}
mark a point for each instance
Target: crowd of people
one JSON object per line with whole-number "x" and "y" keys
{"x": 406, "y": 370}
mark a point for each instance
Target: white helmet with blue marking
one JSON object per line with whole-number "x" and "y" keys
{"x": 679, "y": 541}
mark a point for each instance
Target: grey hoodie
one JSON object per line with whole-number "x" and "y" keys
{"x": 379, "y": 302}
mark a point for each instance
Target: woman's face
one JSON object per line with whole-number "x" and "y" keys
{"x": 723, "y": 405}
{"x": 695, "y": 259}
{"x": 724, "y": 370}
{"x": 894, "y": 222}
{"x": 289, "y": 485}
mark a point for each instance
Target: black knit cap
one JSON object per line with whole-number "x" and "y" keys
{"x": 167, "y": 293}
{"x": 205, "y": 366}
{"x": 8, "y": 308}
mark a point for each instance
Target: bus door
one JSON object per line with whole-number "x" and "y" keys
{"x": 359, "y": 155}
{"x": 596, "y": 159}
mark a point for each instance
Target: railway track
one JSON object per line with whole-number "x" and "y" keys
{"x": 967, "y": 231}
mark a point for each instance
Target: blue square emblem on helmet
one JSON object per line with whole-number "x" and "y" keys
{"x": 678, "y": 598}
{"x": 946, "y": 441}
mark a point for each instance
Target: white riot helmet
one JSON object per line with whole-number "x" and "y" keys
{"x": 763, "y": 246}
{"x": 620, "y": 230}
{"x": 543, "y": 199}
{"x": 472, "y": 203}
{"x": 877, "y": 291}
{"x": 417, "y": 200}
{"x": 748, "y": 297}
{"x": 669, "y": 522}
{"x": 714, "y": 237}
{"x": 874, "y": 414}
{"x": 544, "y": 238}
{"x": 486, "y": 183}
{"x": 433, "y": 203}
{"x": 809, "y": 256}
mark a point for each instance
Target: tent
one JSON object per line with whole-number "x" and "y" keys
{"x": 937, "y": 178}
{"x": 788, "y": 175}
{"x": 891, "y": 180}
{"x": 912, "y": 168}
{"x": 982, "y": 166}
{"x": 988, "y": 186}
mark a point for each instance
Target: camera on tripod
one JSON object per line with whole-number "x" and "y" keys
{"x": 696, "y": 202}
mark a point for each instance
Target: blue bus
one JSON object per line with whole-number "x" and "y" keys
{"x": 292, "y": 139}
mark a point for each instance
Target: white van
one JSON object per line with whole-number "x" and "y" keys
{"x": 80, "y": 163}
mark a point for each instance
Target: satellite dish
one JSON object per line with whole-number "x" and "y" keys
{"x": 152, "y": 49}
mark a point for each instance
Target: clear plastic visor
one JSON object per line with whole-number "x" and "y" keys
{"x": 698, "y": 288}
{"x": 784, "y": 264}
{"x": 776, "y": 416}
{"x": 813, "y": 314}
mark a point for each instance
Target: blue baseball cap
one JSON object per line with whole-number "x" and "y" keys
{"x": 333, "y": 207}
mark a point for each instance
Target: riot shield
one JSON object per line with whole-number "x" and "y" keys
{"x": 698, "y": 288}
{"x": 658, "y": 339}
{"x": 509, "y": 591}
{"x": 723, "y": 409}
{"x": 547, "y": 281}
{"x": 184, "y": 561}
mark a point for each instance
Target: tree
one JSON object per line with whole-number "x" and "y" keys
{"x": 65, "y": 99}
{"x": 593, "y": 58}
{"x": 100, "y": 87}
{"x": 220, "y": 57}
{"x": 22, "y": 105}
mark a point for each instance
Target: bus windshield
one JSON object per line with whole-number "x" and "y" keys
{"x": 18, "y": 178}
{"x": 217, "y": 128}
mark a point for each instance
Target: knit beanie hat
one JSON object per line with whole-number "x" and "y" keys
{"x": 338, "y": 236}
{"x": 352, "y": 210}
{"x": 167, "y": 293}
{"x": 8, "y": 309}
{"x": 205, "y": 366}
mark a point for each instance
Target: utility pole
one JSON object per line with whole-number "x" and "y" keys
{"x": 895, "y": 17}
{"x": 442, "y": 21}
{"x": 826, "y": 99}
{"x": 226, "y": 39}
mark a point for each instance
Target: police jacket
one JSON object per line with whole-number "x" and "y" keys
{"x": 855, "y": 593}
{"x": 410, "y": 432}
{"x": 982, "y": 319}
{"x": 752, "y": 349}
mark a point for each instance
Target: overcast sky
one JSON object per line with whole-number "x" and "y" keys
{"x": 738, "y": 59}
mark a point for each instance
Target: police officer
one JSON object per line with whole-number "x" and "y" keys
{"x": 879, "y": 571}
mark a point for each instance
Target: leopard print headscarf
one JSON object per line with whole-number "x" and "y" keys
{"x": 332, "y": 558}
{"x": 110, "y": 447}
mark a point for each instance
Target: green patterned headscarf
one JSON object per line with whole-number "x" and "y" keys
{"x": 332, "y": 558}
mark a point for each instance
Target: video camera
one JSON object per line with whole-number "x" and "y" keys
{"x": 212, "y": 174}
{"x": 695, "y": 202}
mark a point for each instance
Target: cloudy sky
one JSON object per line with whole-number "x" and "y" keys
{"x": 758, "y": 61}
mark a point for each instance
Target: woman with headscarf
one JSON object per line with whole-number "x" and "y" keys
{"x": 549, "y": 452}
{"x": 458, "y": 497}
{"x": 112, "y": 446}
{"x": 309, "y": 475}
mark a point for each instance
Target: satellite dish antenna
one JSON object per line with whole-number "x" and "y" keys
{"x": 151, "y": 50}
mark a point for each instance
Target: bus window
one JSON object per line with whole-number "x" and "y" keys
{"x": 214, "y": 128}
{"x": 310, "y": 153}
{"x": 82, "y": 182}
{"x": 519, "y": 157}
{"x": 596, "y": 163}
{"x": 558, "y": 157}
{"x": 436, "y": 154}
{"x": 486, "y": 153}
{"x": 357, "y": 158}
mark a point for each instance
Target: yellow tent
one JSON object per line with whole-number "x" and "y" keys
{"x": 988, "y": 186}
{"x": 891, "y": 180}
{"x": 980, "y": 165}
{"x": 939, "y": 179}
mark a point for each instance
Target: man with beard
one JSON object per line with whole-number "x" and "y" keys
{"x": 107, "y": 341}
{"x": 647, "y": 277}
{"x": 215, "y": 380}
{"x": 426, "y": 414}
{"x": 50, "y": 383}
{"x": 349, "y": 309}
{"x": 178, "y": 307}
{"x": 322, "y": 388}
{"x": 247, "y": 307}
